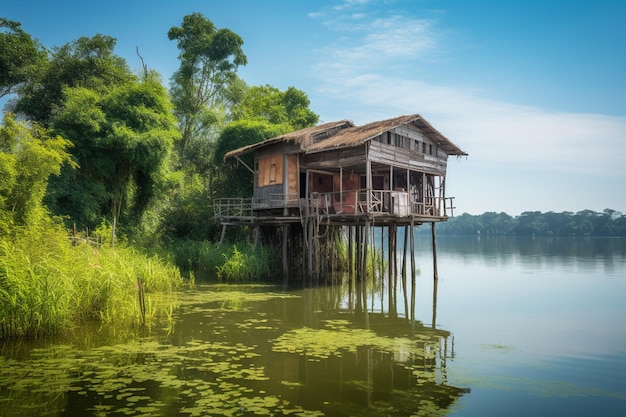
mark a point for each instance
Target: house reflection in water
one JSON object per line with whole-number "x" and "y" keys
{"x": 348, "y": 358}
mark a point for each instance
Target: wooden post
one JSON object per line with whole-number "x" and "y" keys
{"x": 434, "y": 320}
{"x": 412, "y": 270}
{"x": 432, "y": 229}
{"x": 359, "y": 253}
{"x": 350, "y": 249}
{"x": 257, "y": 235}
{"x": 223, "y": 233}
{"x": 310, "y": 243}
{"x": 389, "y": 266}
{"x": 285, "y": 260}
{"x": 365, "y": 246}
{"x": 404, "y": 262}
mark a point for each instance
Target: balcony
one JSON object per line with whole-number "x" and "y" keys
{"x": 334, "y": 205}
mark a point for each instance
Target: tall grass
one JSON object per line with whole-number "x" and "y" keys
{"x": 246, "y": 265}
{"x": 46, "y": 284}
{"x": 228, "y": 263}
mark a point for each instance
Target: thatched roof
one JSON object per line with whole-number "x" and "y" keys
{"x": 345, "y": 134}
{"x": 303, "y": 137}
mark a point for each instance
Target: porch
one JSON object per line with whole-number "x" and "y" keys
{"x": 338, "y": 206}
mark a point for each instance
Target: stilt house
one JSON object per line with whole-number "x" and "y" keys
{"x": 388, "y": 172}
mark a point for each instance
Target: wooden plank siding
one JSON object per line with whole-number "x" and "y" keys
{"x": 334, "y": 159}
{"x": 408, "y": 159}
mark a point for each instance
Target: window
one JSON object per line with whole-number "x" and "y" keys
{"x": 273, "y": 173}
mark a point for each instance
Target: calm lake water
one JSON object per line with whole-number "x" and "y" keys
{"x": 514, "y": 327}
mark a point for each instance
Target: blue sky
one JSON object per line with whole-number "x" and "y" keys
{"x": 533, "y": 90}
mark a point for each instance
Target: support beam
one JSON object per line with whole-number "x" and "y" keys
{"x": 257, "y": 236}
{"x": 223, "y": 233}
{"x": 434, "y": 236}
{"x": 284, "y": 255}
{"x": 244, "y": 164}
{"x": 412, "y": 270}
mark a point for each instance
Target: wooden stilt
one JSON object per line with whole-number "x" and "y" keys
{"x": 434, "y": 320}
{"x": 390, "y": 268}
{"x": 257, "y": 236}
{"x": 358, "y": 254}
{"x": 412, "y": 240}
{"x": 285, "y": 259}
{"x": 223, "y": 234}
{"x": 395, "y": 271}
{"x": 350, "y": 253}
{"x": 365, "y": 246}
{"x": 310, "y": 252}
{"x": 434, "y": 236}
{"x": 404, "y": 262}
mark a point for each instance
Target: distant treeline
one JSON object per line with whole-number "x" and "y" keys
{"x": 535, "y": 223}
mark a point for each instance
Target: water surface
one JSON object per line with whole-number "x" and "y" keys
{"x": 514, "y": 326}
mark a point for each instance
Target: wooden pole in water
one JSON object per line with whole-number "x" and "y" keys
{"x": 395, "y": 271}
{"x": 350, "y": 249}
{"x": 357, "y": 263}
{"x": 404, "y": 262}
{"x": 412, "y": 270}
{"x": 434, "y": 320}
{"x": 365, "y": 245}
{"x": 257, "y": 236}
{"x": 389, "y": 266}
{"x": 432, "y": 229}
{"x": 285, "y": 260}
{"x": 223, "y": 234}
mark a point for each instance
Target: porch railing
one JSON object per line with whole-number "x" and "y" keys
{"x": 362, "y": 201}
{"x": 233, "y": 207}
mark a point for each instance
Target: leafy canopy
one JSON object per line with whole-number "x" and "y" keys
{"x": 122, "y": 139}
{"x": 20, "y": 56}
{"x": 29, "y": 155}
{"x": 209, "y": 58}
{"x": 277, "y": 107}
{"x": 87, "y": 62}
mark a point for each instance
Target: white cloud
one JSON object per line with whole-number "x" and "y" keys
{"x": 520, "y": 157}
{"x": 357, "y": 73}
{"x": 496, "y": 134}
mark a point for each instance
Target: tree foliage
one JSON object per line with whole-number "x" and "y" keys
{"x": 29, "y": 155}
{"x": 122, "y": 139}
{"x": 274, "y": 106}
{"x": 88, "y": 62}
{"x": 209, "y": 58}
{"x": 536, "y": 223}
{"x": 20, "y": 56}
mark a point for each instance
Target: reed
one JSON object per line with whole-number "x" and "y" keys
{"x": 47, "y": 284}
{"x": 249, "y": 264}
{"x": 229, "y": 263}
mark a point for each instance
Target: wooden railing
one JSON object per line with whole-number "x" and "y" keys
{"x": 362, "y": 201}
{"x": 233, "y": 207}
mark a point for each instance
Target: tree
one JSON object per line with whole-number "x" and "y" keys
{"x": 209, "y": 58}
{"x": 20, "y": 56}
{"x": 274, "y": 106}
{"x": 122, "y": 139}
{"x": 29, "y": 154}
{"x": 87, "y": 62}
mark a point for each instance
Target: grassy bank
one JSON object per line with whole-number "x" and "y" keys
{"x": 47, "y": 284}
